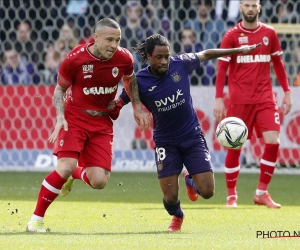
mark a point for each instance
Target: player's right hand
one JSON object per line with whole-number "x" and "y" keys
{"x": 249, "y": 48}
{"x": 142, "y": 118}
{"x": 287, "y": 102}
{"x": 60, "y": 123}
{"x": 219, "y": 109}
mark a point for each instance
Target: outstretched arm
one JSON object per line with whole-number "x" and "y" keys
{"x": 131, "y": 87}
{"x": 215, "y": 53}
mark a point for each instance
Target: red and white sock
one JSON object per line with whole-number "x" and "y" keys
{"x": 50, "y": 189}
{"x": 232, "y": 170}
{"x": 267, "y": 167}
{"x": 80, "y": 174}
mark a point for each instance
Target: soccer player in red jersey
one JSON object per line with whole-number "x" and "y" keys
{"x": 84, "y": 130}
{"x": 251, "y": 97}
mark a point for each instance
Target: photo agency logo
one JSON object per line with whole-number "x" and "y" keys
{"x": 277, "y": 234}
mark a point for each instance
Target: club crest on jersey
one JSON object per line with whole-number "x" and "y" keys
{"x": 243, "y": 39}
{"x": 88, "y": 68}
{"x": 266, "y": 41}
{"x": 160, "y": 166}
{"x": 115, "y": 71}
{"x": 176, "y": 77}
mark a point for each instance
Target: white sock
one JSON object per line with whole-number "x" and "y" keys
{"x": 260, "y": 192}
{"x": 35, "y": 217}
{"x": 228, "y": 197}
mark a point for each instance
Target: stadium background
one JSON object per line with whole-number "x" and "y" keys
{"x": 27, "y": 113}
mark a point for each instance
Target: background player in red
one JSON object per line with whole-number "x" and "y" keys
{"x": 251, "y": 97}
{"x": 84, "y": 129}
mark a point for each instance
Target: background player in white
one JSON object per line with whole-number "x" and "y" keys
{"x": 84, "y": 129}
{"x": 251, "y": 97}
{"x": 164, "y": 89}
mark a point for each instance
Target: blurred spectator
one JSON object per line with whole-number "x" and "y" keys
{"x": 158, "y": 20}
{"x": 66, "y": 40}
{"x": 53, "y": 59}
{"x": 297, "y": 60}
{"x": 135, "y": 28}
{"x": 78, "y": 9}
{"x": 139, "y": 22}
{"x": 232, "y": 13}
{"x": 209, "y": 30}
{"x": 16, "y": 71}
{"x": 188, "y": 44}
{"x": 88, "y": 37}
{"x": 131, "y": 24}
{"x": 27, "y": 44}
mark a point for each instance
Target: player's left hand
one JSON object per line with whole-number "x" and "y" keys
{"x": 115, "y": 106}
{"x": 111, "y": 105}
{"x": 287, "y": 102}
{"x": 249, "y": 48}
{"x": 142, "y": 118}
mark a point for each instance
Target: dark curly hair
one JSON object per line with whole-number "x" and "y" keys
{"x": 147, "y": 47}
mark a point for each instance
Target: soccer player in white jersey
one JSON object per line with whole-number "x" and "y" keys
{"x": 251, "y": 97}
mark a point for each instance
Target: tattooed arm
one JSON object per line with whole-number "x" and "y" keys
{"x": 131, "y": 87}
{"x": 59, "y": 103}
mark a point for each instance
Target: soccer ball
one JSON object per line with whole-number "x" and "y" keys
{"x": 232, "y": 132}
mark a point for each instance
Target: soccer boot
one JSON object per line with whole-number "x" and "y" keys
{"x": 265, "y": 200}
{"x": 231, "y": 201}
{"x": 36, "y": 226}
{"x": 175, "y": 225}
{"x": 190, "y": 191}
{"x": 67, "y": 187}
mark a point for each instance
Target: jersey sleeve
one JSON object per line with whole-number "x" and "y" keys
{"x": 223, "y": 65}
{"x": 276, "y": 48}
{"x": 129, "y": 70}
{"x": 191, "y": 61}
{"x": 65, "y": 75}
{"x": 227, "y": 43}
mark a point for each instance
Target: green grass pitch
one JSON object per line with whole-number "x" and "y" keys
{"x": 128, "y": 214}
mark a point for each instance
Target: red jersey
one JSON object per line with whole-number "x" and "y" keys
{"x": 94, "y": 82}
{"x": 249, "y": 74}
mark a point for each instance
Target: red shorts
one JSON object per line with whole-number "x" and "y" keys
{"x": 89, "y": 136}
{"x": 263, "y": 116}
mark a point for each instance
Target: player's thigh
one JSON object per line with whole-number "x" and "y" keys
{"x": 168, "y": 160}
{"x": 72, "y": 140}
{"x": 97, "y": 152}
{"x": 196, "y": 155}
{"x": 267, "y": 118}
{"x": 170, "y": 186}
{"x": 246, "y": 112}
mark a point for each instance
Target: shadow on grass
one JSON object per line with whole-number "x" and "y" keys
{"x": 130, "y": 188}
{"x": 203, "y": 208}
{"x": 107, "y": 233}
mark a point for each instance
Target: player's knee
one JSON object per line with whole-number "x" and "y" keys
{"x": 98, "y": 183}
{"x": 207, "y": 193}
{"x": 171, "y": 199}
{"x": 65, "y": 168}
